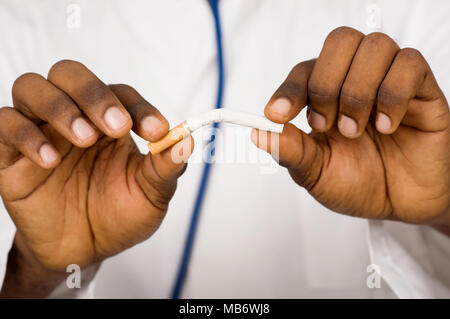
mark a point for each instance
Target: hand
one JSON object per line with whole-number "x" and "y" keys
{"x": 380, "y": 144}
{"x": 71, "y": 176}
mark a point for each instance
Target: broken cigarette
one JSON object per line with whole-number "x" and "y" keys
{"x": 185, "y": 129}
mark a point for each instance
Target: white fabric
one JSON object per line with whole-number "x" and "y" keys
{"x": 260, "y": 235}
{"x": 406, "y": 255}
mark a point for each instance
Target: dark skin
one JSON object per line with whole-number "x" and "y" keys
{"x": 380, "y": 144}
{"x": 109, "y": 197}
{"x": 90, "y": 194}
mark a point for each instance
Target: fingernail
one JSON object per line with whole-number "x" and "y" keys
{"x": 115, "y": 118}
{"x": 347, "y": 126}
{"x": 82, "y": 129}
{"x": 254, "y": 137}
{"x": 260, "y": 139}
{"x": 150, "y": 124}
{"x": 48, "y": 154}
{"x": 281, "y": 106}
{"x": 383, "y": 122}
{"x": 185, "y": 148}
{"x": 181, "y": 151}
{"x": 317, "y": 121}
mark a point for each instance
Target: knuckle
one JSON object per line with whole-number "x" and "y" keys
{"x": 292, "y": 90}
{"x": 23, "y": 81}
{"x": 121, "y": 86}
{"x": 299, "y": 72}
{"x": 344, "y": 32}
{"x": 25, "y": 133}
{"x": 295, "y": 86}
{"x": 95, "y": 92}
{"x": 59, "y": 106}
{"x": 322, "y": 94}
{"x": 411, "y": 54}
{"x": 354, "y": 104}
{"x": 61, "y": 67}
{"x": 378, "y": 39}
{"x": 299, "y": 68}
{"x": 388, "y": 97}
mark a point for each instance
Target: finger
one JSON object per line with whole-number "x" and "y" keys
{"x": 328, "y": 76}
{"x": 410, "y": 77}
{"x": 148, "y": 122}
{"x": 291, "y": 97}
{"x": 158, "y": 173}
{"x": 295, "y": 150}
{"x": 359, "y": 91}
{"x": 92, "y": 96}
{"x": 19, "y": 134}
{"x": 40, "y": 100}
{"x": 170, "y": 164}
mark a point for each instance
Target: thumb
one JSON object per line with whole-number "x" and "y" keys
{"x": 158, "y": 173}
{"x": 295, "y": 150}
{"x": 171, "y": 163}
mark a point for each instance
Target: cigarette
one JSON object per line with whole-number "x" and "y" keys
{"x": 186, "y": 128}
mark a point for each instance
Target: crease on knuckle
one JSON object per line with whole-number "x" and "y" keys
{"x": 354, "y": 104}
{"x": 25, "y": 135}
{"x": 322, "y": 95}
{"x": 60, "y": 108}
{"x": 292, "y": 90}
{"x": 94, "y": 92}
{"x": 389, "y": 98}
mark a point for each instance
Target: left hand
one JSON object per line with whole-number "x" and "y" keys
{"x": 379, "y": 147}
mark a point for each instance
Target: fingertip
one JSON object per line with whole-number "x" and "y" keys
{"x": 118, "y": 120}
{"x": 290, "y": 145}
{"x": 383, "y": 123}
{"x": 317, "y": 121}
{"x": 171, "y": 163}
{"x": 254, "y": 136}
{"x": 181, "y": 151}
{"x": 85, "y": 134}
{"x": 265, "y": 140}
{"x": 49, "y": 156}
{"x": 186, "y": 147}
{"x": 279, "y": 110}
{"x": 348, "y": 127}
{"x": 154, "y": 128}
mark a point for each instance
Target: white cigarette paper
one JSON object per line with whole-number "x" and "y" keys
{"x": 218, "y": 115}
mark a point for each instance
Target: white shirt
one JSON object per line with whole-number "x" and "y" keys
{"x": 260, "y": 235}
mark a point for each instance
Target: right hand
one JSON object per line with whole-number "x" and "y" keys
{"x": 71, "y": 177}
